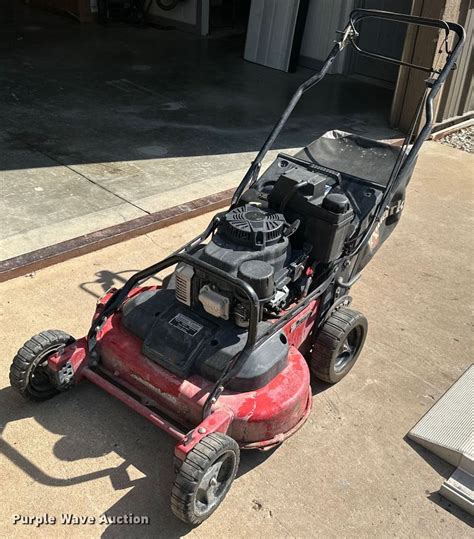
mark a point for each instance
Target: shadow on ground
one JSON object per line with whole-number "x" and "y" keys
{"x": 106, "y": 279}
{"x": 445, "y": 470}
{"x": 90, "y": 425}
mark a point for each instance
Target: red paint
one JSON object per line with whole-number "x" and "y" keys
{"x": 298, "y": 328}
{"x": 218, "y": 421}
{"x": 257, "y": 415}
{"x": 76, "y": 353}
{"x": 132, "y": 403}
{"x": 256, "y": 419}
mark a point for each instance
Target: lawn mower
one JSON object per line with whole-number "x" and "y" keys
{"x": 219, "y": 355}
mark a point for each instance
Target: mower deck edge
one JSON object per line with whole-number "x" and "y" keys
{"x": 65, "y": 250}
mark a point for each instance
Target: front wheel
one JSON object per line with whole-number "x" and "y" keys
{"x": 205, "y": 478}
{"x": 28, "y": 371}
{"x": 338, "y": 344}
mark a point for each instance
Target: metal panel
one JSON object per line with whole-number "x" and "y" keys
{"x": 459, "y": 489}
{"x": 270, "y": 32}
{"x": 458, "y": 96}
{"x": 448, "y": 428}
{"x": 321, "y": 22}
{"x": 204, "y": 18}
{"x": 324, "y": 18}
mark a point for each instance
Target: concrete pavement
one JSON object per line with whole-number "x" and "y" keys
{"x": 347, "y": 473}
{"x": 112, "y": 123}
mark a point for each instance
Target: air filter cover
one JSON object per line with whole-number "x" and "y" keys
{"x": 253, "y": 227}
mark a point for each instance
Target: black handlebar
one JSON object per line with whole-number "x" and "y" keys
{"x": 244, "y": 288}
{"x": 358, "y": 15}
{"x": 349, "y": 35}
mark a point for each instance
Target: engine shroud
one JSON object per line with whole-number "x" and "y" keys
{"x": 248, "y": 233}
{"x": 189, "y": 341}
{"x": 250, "y": 226}
{"x": 197, "y": 324}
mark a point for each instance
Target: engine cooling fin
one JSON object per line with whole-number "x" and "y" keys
{"x": 253, "y": 227}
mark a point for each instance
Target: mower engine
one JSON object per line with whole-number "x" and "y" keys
{"x": 220, "y": 355}
{"x": 274, "y": 242}
{"x": 251, "y": 243}
{"x": 285, "y": 232}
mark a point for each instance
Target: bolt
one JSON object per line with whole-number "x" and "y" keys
{"x": 202, "y": 430}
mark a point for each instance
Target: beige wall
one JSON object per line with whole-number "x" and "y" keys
{"x": 421, "y": 47}
{"x": 458, "y": 96}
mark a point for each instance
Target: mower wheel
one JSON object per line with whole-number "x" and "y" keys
{"x": 338, "y": 344}
{"x": 28, "y": 374}
{"x": 205, "y": 477}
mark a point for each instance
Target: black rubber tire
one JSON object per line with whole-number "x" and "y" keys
{"x": 184, "y": 496}
{"x": 167, "y": 5}
{"x": 28, "y": 359}
{"x": 344, "y": 330}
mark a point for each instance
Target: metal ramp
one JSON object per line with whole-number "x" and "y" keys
{"x": 447, "y": 430}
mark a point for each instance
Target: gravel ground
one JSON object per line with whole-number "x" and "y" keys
{"x": 462, "y": 139}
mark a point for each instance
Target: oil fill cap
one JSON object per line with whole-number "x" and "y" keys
{"x": 336, "y": 203}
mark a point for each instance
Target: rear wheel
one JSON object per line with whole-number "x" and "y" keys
{"x": 338, "y": 345}
{"x": 28, "y": 371}
{"x": 205, "y": 477}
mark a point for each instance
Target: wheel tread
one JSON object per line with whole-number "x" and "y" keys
{"x": 329, "y": 339}
{"x": 25, "y": 357}
{"x": 206, "y": 451}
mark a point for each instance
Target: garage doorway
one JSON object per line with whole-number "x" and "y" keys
{"x": 228, "y": 16}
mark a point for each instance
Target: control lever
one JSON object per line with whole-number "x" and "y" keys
{"x": 292, "y": 228}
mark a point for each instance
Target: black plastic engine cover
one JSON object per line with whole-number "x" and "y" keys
{"x": 189, "y": 341}
{"x": 252, "y": 226}
{"x": 228, "y": 256}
